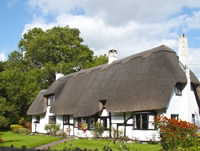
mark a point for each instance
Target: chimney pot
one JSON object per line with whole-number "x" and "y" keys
{"x": 59, "y": 75}
{"x": 112, "y": 55}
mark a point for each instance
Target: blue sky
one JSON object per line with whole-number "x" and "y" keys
{"x": 129, "y": 26}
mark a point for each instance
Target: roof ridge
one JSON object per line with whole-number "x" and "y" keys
{"x": 144, "y": 54}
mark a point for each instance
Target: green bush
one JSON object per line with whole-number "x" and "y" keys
{"x": 98, "y": 130}
{"x": 24, "y": 131}
{"x": 3, "y": 122}
{"x": 52, "y": 129}
{"x": 15, "y": 128}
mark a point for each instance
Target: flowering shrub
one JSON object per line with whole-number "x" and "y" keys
{"x": 1, "y": 140}
{"x": 176, "y": 133}
{"x": 15, "y": 128}
{"x": 52, "y": 129}
{"x": 83, "y": 126}
{"x": 98, "y": 130}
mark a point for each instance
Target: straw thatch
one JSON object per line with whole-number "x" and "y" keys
{"x": 39, "y": 105}
{"x": 143, "y": 81}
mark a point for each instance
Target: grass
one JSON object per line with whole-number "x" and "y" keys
{"x": 93, "y": 144}
{"x": 30, "y": 141}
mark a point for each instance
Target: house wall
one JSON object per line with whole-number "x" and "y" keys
{"x": 184, "y": 105}
{"x": 44, "y": 120}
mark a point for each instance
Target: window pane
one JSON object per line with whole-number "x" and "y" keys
{"x": 151, "y": 122}
{"x": 38, "y": 119}
{"x": 178, "y": 89}
{"x": 92, "y": 122}
{"x": 144, "y": 121}
{"x": 193, "y": 118}
{"x": 52, "y": 119}
{"x": 50, "y": 100}
{"x": 138, "y": 121}
{"x": 174, "y": 116}
{"x": 66, "y": 119}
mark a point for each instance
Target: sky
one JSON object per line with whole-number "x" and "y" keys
{"x": 129, "y": 26}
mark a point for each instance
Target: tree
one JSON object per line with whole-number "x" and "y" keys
{"x": 59, "y": 49}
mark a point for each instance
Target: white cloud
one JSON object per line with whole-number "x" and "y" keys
{"x": 117, "y": 12}
{"x": 128, "y": 26}
{"x": 193, "y": 22}
{"x": 127, "y": 39}
{"x": 2, "y": 56}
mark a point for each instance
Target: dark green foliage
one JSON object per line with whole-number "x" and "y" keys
{"x": 59, "y": 49}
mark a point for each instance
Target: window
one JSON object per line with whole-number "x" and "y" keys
{"x": 52, "y": 119}
{"x": 193, "y": 118}
{"x": 178, "y": 89}
{"x": 103, "y": 121}
{"x": 143, "y": 121}
{"x": 91, "y": 123}
{"x": 82, "y": 121}
{"x": 87, "y": 121}
{"x": 38, "y": 119}
{"x": 76, "y": 121}
{"x": 174, "y": 116}
{"x": 51, "y": 100}
{"x": 65, "y": 119}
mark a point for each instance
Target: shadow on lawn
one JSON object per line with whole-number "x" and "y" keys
{"x": 10, "y": 141}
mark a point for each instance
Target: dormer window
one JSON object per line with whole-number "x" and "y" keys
{"x": 51, "y": 100}
{"x": 178, "y": 89}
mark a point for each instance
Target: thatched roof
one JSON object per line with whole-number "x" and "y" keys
{"x": 39, "y": 105}
{"x": 143, "y": 81}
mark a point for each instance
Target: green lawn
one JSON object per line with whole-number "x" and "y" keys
{"x": 18, "y": 140}
{"x": 92, "y": 144}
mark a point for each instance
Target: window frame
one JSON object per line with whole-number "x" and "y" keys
{"x": 178, "y": 89}
{"x": 143, "y": 125}
{"x": 175, "y": 116}
{"x": 37, "y": 119}
{"x": 193, "y": 118}
{"x": 105, "y": 122}
{"x": 67, "y": 122}
{"x": 49, "y": 101}
{"x": 50, "y": 119}
{"x": 86, "y": 120}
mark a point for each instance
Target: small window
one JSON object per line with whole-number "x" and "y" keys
{"x": 51, "y": 100}
{"x": 103, "y": 121}
{"x": 76, "y": 121}
{"x": 175, "y": 116}
{"x": 38, "y": 119}
{"x": 52, "y": 119}
{"x": 82, "y": 121}
{"x": 178, "y": 89}
{"x": 92, "y": 122}
{"x": 193, "y": 118}
{"x": 66, "y": 119}
{"x": 143, "y": 121}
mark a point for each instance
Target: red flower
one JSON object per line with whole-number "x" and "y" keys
{"x": 1, "y": 140}
{"x": 84, "y": 130}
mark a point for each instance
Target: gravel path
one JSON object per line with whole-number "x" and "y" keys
{"x": 46, "y": 146}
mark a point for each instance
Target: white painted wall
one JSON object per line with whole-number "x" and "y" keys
{"x": 184, "y": 105}
{"x": 44, "y": 120}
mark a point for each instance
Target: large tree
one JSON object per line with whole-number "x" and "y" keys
{"x": 41, "y": 54}
{"x": 59, "y": 49}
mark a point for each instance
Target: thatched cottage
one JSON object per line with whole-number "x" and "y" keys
{"x": 125, "y": 94}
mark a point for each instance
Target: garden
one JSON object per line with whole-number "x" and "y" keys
{"x": 175, "y": 135}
